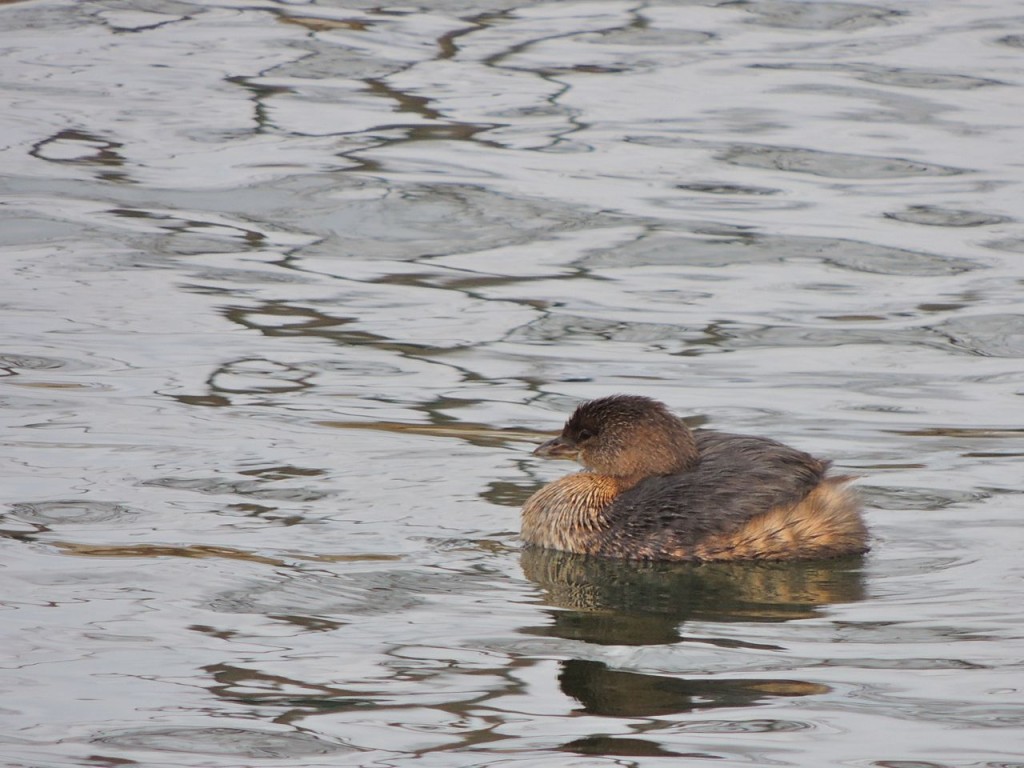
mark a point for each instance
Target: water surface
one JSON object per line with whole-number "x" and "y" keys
{"x": 290, "y": 290}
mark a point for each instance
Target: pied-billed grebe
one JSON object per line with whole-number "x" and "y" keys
{"x": 657, "y": 491}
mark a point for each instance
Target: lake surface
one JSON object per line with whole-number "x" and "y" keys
{"x": 291, "y": 289}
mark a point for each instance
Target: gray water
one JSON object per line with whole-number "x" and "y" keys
{"x": 291, "y": 289}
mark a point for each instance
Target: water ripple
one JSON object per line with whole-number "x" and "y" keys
{"x": 11, "y": 363}
{"x": 989, "y": 335}
{"x": 743, "y": 726}
{"x": 834, "y": 165}
{"x": 236, "y": 742}
{"x": 59, "y": 513}
{"x": 746, "y": 248}
{"x": 426, "y": 220}
{"x": 819, "y": 15}
{"x": 936, "y": 216}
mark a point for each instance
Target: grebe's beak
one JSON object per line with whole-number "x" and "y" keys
{"x": 557, "y": 448}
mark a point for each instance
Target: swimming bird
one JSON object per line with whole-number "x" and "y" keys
{"x": 652, "y": 489}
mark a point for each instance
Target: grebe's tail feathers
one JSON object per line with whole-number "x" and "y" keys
{"x": 826, "y": 523}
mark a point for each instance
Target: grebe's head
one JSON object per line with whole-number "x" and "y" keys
{"x": 625, "y": 436}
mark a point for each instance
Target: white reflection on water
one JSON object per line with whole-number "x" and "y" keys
{"x": 290, "y": 289}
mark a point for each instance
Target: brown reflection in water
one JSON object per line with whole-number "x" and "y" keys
{"x": 283, "y": 472}
{"x": 308, "y": 322}
{"x": 295, "y": 321}
{"x": 473, "y": 433}
{"x": 615, "y": 693}
{"x": 162, "y": 550}
{"x": 294, "y": 699}
{"x": 76, "y": 147}
{"x": 314, "y": 24}
{"x": 612, "y": 602}
{"x": 624, "y": 747}
{"x": 609, "y": 602}
{"x": 202, "y": 551}
{"x": 970, "y": 432}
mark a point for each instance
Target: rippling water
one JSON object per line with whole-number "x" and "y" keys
{"x": 291, "y": 288}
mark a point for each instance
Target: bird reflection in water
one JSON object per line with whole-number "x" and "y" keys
{"x": 610, "y": 602}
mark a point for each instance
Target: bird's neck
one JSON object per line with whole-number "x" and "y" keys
{"x": 568, "y": 514}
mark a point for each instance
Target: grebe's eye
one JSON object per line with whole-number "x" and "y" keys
{"x": 584, "y": 434}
